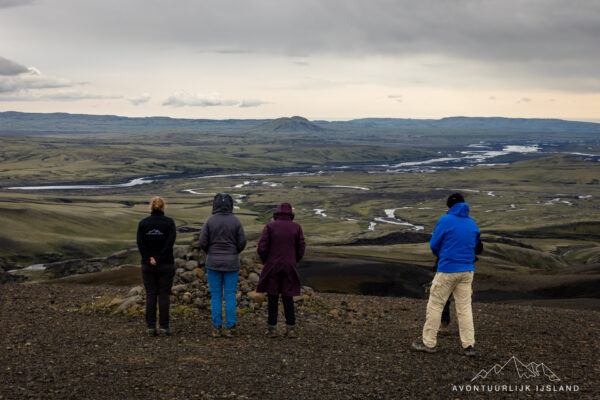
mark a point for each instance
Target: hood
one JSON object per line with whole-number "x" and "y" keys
{"x": 283, "y": 210}
{"x": 460, "y": 210}
{"x": 222, "y": 204}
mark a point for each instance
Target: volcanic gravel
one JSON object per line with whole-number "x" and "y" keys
{"x": 50, "y": 348}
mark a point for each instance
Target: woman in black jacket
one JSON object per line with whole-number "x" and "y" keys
{"x": 155, "y": 239}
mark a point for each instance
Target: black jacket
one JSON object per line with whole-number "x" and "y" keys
{"x": 155, "y": 238}
{"x": 222, "y": 236}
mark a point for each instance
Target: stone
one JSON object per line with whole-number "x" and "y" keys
{"x": 180, "y": 252}
{"x": 200, "y": 273}
{"x": 253, "y": 277}
{"x": 335, "y": 313}
{"x": 305, "y": 297}
{"x": 189, "y": 276}
{"x": 135, "y": 291}
{"x": 308, "y": 290}
{"x": 179, "y": 263}
{"x": 128, "y": 303}
{"x": 297, "y": 298}
{"x": 257, "y": 297}
{"x": 177, "y": 289}
{"x": 115, "y": 302}
{"x": 187, "y": 297}
{"x": 191, "y": 265}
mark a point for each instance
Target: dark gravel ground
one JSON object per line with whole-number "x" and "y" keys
{"x": 50, "y": 349}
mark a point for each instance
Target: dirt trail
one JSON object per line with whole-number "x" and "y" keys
{"x": 49, "y": 349}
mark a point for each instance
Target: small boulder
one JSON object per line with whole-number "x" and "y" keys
{"x": 257, "y": 297}
{"x": 177, "y": 289}
{"x": 253, "y": 277}
{"x": 189, "y": 276}
{"x": 191, "y": 265}
{"x": 135, "y": 291}
{"x": 128, "y": 303}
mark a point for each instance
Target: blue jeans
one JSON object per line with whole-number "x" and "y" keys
{"x": 219, "y": 283}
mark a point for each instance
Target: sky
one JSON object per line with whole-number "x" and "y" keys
{"x": 321, "y": 59}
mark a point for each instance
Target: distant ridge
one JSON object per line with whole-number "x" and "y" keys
{"x": 12, "y": 122}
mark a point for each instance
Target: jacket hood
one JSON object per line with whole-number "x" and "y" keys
{"x": 284, "y": 209}
{"x": 222, "y": 204}
{"x": 460, "y": 210}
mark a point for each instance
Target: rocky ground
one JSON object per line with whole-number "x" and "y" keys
{"x": 54, "y": 345}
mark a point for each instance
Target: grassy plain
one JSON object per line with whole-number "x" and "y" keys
{"x": 538, "y": 216}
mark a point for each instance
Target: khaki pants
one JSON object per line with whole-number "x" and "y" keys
{"x": 459, "y": 284}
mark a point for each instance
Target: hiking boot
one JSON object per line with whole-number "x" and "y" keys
{"x": 469, "y": 351}
{"x": 216, "y": 332}
{"x": 229, "y": 332}
{"x": 290, "y": 332}
{"x": 165, "y": 332}
{"x": 151, "y": 331}
{"x": 420, "y": 346}
{"x": 271, "y": 332}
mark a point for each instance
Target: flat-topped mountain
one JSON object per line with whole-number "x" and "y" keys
{"x": 291, "y": 125}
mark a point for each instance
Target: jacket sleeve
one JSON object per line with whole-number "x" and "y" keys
{"x": 168, "y": 246}
{"x": 240, "y": 237}
{"x": 204, "y": 237}
{"x": 300, "y": 245}
{"x": 142, "y": 246}
{"x": 438, "y": 236}
{"x": 264, "y": 244}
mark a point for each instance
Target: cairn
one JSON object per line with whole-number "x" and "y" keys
{"x": 190, "y": 286}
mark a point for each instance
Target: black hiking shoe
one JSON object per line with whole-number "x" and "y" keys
{"x": 165, "y": 332}
{"x": 151, "y": 331}
{"x": 469, "y": 351}
{"x": 230, "y": 332}
{"x": 290, "y": 332}
{"x": 420, "y": 346}
{"x": 271, "y": 332}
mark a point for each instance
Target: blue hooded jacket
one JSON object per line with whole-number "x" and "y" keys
{"x": 454, "y": 240}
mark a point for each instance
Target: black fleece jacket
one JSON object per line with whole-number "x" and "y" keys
{"x": 155, "y": 238}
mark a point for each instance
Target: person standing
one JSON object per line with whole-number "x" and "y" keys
{"x": 222, "y": 239}
{"x": 280, "y": 247}
{"x": 454, "y": 240}
{"x": 155, "y": 239}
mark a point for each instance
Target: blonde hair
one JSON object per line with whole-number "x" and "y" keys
{"x": 157, "y": 204}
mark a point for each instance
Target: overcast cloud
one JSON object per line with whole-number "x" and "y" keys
{"x": 299, "y": 53}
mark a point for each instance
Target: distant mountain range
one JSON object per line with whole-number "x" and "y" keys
{"x": 38, "y": 124}
{"x": 525, "y": 371}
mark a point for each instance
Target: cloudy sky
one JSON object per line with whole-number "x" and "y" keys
{"x": 322, "y": 59}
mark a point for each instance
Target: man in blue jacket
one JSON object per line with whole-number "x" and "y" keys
{"x": 455, "y": 240}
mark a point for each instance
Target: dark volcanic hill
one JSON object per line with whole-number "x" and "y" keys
{"x": 289, "y": 125}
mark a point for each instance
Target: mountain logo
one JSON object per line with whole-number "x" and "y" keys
{"x": 525, "y": 371}
{"x": 154, "y": 232}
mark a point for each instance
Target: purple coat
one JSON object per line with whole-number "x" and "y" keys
{"x": 280, "y": 247}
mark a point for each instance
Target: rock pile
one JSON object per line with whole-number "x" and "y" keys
{"x": 190, "y": 287}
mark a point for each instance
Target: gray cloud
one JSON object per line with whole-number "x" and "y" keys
{"x": 8, "y": 67}
{"x": 58, "y": 96}
{"x": 183, "y": 99}
{"x": 143, "y": 98}
{"x": 14, "y": 3}
{"x": 23, "y": 82}
{"x": 252, "y": 103}
{"x": 550, "y": 44}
